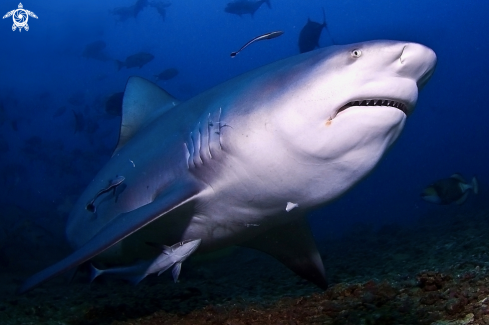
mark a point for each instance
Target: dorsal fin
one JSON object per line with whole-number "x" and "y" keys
{"x": 143, "y": 102}
{"x": 458, "y": 177}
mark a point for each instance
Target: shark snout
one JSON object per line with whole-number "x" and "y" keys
{"x": 417, "y": 62}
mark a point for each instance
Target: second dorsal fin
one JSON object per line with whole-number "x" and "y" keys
{"x": 143, "y": 102}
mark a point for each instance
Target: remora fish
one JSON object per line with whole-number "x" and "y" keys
{"x": 449, "y": 190}
{"x": 171, "y": 256}
{"x": 258, "y": 38}
{"x": 264, "y": 148}
{"x": 113, "y": 183}
{"x": 310, "y": 34}
{"x": 243, "y": 7}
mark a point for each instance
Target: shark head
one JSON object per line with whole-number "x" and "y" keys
{"x": 347, "y": 104}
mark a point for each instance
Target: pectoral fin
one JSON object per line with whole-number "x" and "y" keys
{"x": 117, "y": 229}
{"x": 293, "y": 245}
{"x": 176, "y": 271}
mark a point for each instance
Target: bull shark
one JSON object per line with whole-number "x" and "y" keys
{"x": 310, "y": 34}
{"x": 264, "y": 148}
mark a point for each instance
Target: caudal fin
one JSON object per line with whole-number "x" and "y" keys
{"x": 325, "y": 26}
{"x": 136, "y": 279}
{"x": 268, "y": 3}
{"x": 475, "y": 185}
{"x": 94, "y": 272}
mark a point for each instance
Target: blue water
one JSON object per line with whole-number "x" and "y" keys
{"x": 41, "y": 69}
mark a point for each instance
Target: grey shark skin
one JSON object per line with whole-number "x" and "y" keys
{"x": 263, "y": 148}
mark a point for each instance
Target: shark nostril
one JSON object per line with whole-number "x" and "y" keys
{"x": 402, "y": 52}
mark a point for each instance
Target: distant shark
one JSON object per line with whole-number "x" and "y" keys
{"x": 310, "y": 34}
{"x": 133, "y": 11}
{"x": 262, "y": 149}
{"x": 243, "y": 7}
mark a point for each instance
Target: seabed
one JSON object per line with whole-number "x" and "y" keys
{"x": 434, "y": 272}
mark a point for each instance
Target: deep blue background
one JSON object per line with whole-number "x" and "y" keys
{"x": 42, "y": 68}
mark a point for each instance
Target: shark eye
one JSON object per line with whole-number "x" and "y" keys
{"x": 356, "y": 53}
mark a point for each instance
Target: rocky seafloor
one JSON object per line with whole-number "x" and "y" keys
{"x": 434, "y": 272}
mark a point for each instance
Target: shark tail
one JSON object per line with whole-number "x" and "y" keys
{"x": 268, "y": 3}
{"x": 94, "y": 272}
{"x": 330, "y": 36}
{"x": 325, "y": 26}
{"x": 136, "y": 279}
{"x": 475, "y": 185}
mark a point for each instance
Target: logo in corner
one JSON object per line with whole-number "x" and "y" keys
{"x": 20, "y": 17}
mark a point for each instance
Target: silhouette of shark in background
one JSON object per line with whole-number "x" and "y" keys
{"x": 135, "y": 60}
{"x": 160, "y": 7}
{"x": 243, "y": 7}
{"x": 310, "y": 34}
{"x": 166, "y": 74}
{"x": 125, "y": 13}
{"x": 95, "y": 50}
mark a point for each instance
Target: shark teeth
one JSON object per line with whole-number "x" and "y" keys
{"x": 375, "y": 102}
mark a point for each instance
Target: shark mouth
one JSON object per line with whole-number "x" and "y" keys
{"x": 375, "y": 102}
